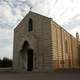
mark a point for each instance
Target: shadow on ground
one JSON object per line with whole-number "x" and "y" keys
{"x": 57, "y": 75}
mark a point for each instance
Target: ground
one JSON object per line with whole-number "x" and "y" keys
{"x": 4, "y": 75}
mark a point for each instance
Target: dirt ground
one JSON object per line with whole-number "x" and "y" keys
{"x": 39, "y": 76}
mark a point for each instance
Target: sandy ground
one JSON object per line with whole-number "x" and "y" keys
{"x": 39, "y": 76}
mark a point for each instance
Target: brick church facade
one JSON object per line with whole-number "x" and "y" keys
{"x": 40, "y": 44}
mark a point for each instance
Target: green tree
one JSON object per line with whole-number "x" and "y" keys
{"x": 5, "y": 62}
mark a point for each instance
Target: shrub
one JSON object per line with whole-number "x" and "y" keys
{"x": 5, "y": 62}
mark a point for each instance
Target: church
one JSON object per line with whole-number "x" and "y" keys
{"x": 40, "y": 44}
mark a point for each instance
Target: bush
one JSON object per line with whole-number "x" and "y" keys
{"x": 5, "y": 62}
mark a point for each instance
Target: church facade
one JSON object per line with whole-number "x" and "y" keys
{"x": 40, "y": 44}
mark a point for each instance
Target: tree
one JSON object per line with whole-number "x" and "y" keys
{"x": 5, "y": 62}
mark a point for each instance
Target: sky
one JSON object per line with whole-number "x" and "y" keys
{"x": 65, "y": 12}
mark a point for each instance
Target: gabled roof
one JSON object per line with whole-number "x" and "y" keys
{"x": 31, "y": 12}
{"x": 50, "y": 19}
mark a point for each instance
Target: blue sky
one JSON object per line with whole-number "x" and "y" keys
{"x": 65, "y": 12}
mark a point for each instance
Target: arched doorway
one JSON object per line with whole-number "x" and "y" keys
{"x": 27, "y": 57}
{"x": 30, "y": 60}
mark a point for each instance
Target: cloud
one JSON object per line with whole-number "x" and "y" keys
{"x": 72, "y": 24}
{"x": 15, "y": 10}
{"x": 6, "y": 52}
{"x": 6, "y": 40}
{"x": 6, "y": 16}
{"x": 75, "y": 30}
{"x": 64, "y": 12}
{"x": 11, "y": 12}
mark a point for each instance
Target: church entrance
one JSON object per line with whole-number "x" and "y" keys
{"x": 30, "y": 60}
{"x": 27, "y": 57}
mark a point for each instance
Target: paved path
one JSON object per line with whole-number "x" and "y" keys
{"x": 40, "y": 76}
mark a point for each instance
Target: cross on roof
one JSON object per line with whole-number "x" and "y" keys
{"x": 30, "y": 8}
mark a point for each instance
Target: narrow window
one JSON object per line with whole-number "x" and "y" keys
{"x": 66, "y": 46}
{"x": 30, "y": 25}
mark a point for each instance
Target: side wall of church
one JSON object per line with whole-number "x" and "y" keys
{"x": 65, "y": 50}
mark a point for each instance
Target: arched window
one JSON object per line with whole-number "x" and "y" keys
{"x": 30, "y": 25}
